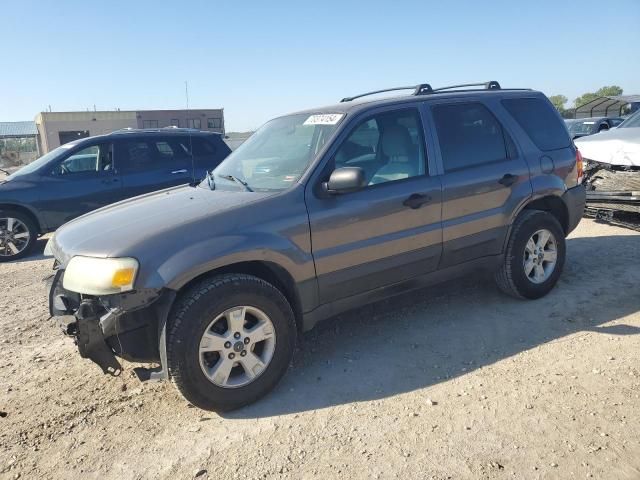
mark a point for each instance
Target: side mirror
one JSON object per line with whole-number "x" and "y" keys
{"x": 344, "y": 180}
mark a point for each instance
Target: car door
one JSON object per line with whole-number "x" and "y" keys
{"x": 147, "y": 164}
{"x": 484, "y": 179}
{"x": 81, "y": 181}
{"x": 388, "y": 231}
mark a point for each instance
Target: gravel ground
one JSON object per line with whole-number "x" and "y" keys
{"x": 456, "y": 381}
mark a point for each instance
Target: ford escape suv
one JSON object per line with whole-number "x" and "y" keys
{"x": 90, "y": 173}
{"x": 319, "y": 212}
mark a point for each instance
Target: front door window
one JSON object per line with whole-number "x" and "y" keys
{"x": 388, "y": 147}
{"x": 95, "y": 158}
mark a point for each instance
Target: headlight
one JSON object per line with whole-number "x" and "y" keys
{"x": 100, "y": 276}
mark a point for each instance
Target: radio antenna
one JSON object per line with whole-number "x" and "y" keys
{"x": 193, "y": 163}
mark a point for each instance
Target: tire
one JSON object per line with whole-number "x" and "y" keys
{"x": 12, "y": 244}
{"x": 195, "y": 314}
{"x": 512, "y": 277}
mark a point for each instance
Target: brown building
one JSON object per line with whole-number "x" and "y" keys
{"x": 57, "y": 128}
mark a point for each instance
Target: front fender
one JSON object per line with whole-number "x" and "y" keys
{"x": 207, "y": 255}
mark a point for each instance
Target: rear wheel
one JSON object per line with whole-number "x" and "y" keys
{"x": 18, "y": 234}
{"x": 230, "y": 341}
{"x": 534, "y": 257}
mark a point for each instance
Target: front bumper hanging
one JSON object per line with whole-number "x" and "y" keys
{"x": 131, "y": 326}
{"x": 91, "y": 343}
{"x": 80, "y": 319}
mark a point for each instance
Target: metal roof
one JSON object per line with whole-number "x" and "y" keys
{"x": 605, "y": 106}
{"x": 18, "y": 129}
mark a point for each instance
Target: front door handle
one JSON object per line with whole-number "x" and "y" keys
{"x": 508, "y": 179}
{"x": 416, "y": 200}
{"x": 109, "y": 180}
{"x": 182, "y": 170}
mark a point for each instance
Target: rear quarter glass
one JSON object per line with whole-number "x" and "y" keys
{"x": 546, "y": 129}
{"x": 540, "y": 121}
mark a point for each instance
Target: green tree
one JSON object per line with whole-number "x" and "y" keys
{"x": 559, "y": 102}
{"x": 610, "y": 91}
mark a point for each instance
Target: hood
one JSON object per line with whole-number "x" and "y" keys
{"x": 124, "y": 228}
{"x": 12, "y": 187}
{"x": 619, "y": 146}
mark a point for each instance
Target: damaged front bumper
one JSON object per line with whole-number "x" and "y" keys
{"x": 612, "y": 188}
{"x": 130, "y": 325}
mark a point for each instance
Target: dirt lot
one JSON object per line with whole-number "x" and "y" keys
{"x": 456, "y": 381}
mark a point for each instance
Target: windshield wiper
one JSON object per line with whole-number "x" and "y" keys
{"x": 210, "y": 180}
{"x": 4, "y": 171}
{"x": 238, "y": 181}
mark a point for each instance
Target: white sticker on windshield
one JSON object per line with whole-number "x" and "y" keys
{"x": 589, "y": 123}
{"x": 323, "y": 119}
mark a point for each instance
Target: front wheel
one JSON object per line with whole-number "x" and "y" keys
{"x": 18, "y": 234}
{"x": 534, "y": 256}
{"x": 230, "y": 341}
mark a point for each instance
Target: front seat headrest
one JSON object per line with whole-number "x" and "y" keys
{"x": 396, "y": 141}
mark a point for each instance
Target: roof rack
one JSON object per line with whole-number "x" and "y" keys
{"x": 425, "y": 89}
{"x": 155, "y": 130}
{"x": 490, "y": 85}
{"x": 417, "y": 90}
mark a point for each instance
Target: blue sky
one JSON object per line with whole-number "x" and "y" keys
{"x": 264, "y": 58}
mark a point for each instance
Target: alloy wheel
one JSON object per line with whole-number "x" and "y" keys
{"x": 14, "y": 236}
{"x": 237, "y": 347}
{"x": 540, "y": 256}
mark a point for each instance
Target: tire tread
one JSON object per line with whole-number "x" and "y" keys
{"x": 504, "y": 275}
{"x": 250, "y": 284}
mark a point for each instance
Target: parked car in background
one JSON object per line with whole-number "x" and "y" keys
{"x": 316, "y": 213}
{"x": 581, "y": 127}
{"x": 87, "y": 174}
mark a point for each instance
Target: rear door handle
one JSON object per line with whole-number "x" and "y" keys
{"x": 508, "y": 179}
{"x": 416, "y": 200}
{"x": 183, "y": 170}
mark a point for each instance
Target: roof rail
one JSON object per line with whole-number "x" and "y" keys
{"x": 425, "y": 89}
{"x": 417, "y": 90}
{"x": 155, "y": 130}
{"x": 490, "y": 85}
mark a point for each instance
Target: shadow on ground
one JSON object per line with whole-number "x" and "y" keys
{"x": 428, "y": 336}
{"x": 37, "y": 252}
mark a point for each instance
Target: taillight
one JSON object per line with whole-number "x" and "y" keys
{"x": 579, "y": 166}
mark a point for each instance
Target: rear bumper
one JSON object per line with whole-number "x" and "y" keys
{"x": 103, "y": 328}
{"x": 575, "y": 200}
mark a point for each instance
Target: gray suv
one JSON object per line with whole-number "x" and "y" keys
{"x": 319, "y": 212}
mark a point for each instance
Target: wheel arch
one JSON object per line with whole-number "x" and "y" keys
{"x": 26, "y": 211}
{"x": 553, "y": 205}
{"x": 268, "y": 271}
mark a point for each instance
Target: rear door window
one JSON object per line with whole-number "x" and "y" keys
{"x": 136, "y": 156}
{"x": 153, "y": 153}
{"x": 201, "y": 147}
{"x": 469, "y": 135}
{"x": 541, "y": 123}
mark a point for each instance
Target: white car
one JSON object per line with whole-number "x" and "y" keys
{"x": 612, "y": 167}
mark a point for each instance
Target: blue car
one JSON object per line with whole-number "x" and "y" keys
{"x": 87, "y": 174}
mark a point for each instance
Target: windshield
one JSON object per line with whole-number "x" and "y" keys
{"x": 632, "y": 121}
{"x": 580, "y": 126}
{"x": 43, "y": 160}
{"x": 277, "y": 154}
